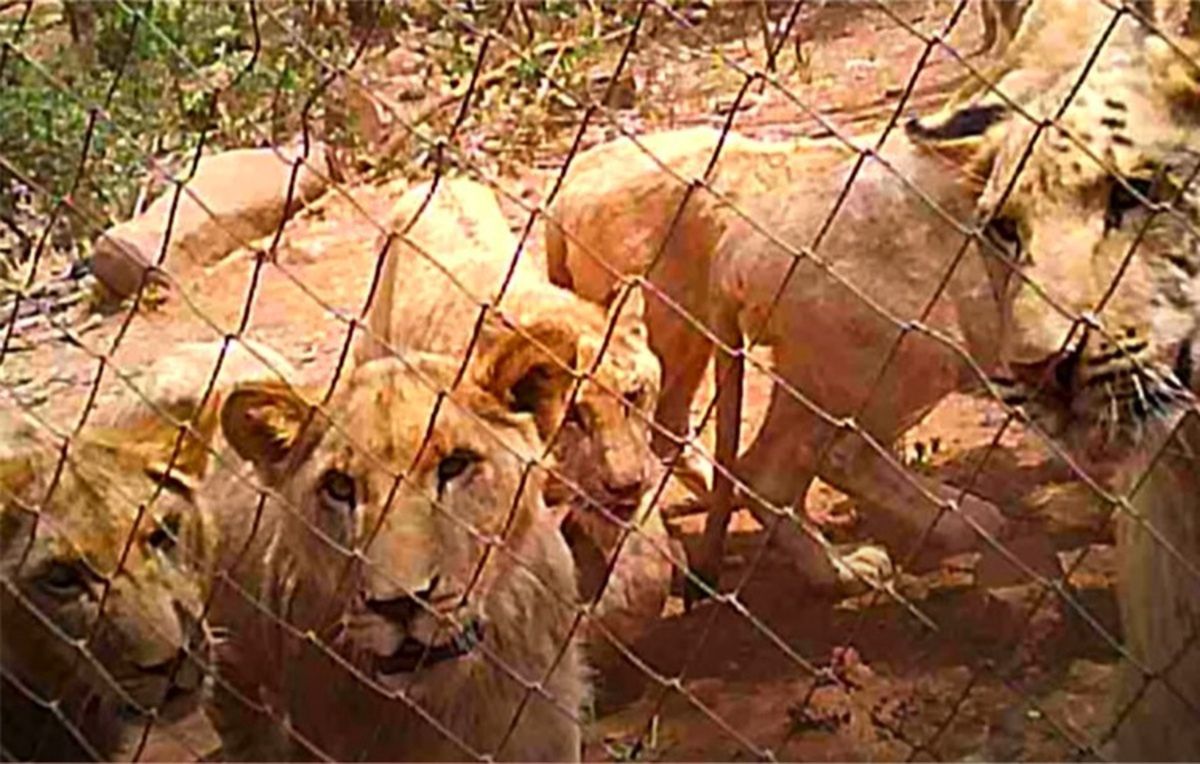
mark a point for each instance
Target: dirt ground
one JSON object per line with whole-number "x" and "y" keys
{"x": 989, "y": 678}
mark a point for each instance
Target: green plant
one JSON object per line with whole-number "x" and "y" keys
{"x": 159, "y": 78}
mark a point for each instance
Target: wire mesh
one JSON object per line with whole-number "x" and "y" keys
{"x": 108, "y": 105}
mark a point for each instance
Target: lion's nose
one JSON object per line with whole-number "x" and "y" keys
{"x": 185, "y": 673}
{"x": 182, "y": 669}
{"x": 404, "y": 608}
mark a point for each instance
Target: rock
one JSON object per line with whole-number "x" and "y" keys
{"x": 234, "y": 197}
{"x": 341, "y": 221}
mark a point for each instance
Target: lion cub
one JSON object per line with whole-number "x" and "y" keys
{"x": 110, "y": 550}
{"x": 602, "y": 449}
{"x": 398, "y": 591}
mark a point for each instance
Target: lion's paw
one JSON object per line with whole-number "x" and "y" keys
{"x": 693, "y": 471}
{"x": 867, "y": 567}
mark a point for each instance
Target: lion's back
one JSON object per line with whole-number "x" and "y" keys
{"x": 631, "y": 193}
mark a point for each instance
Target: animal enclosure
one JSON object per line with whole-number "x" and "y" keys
{"x": 617, "y": 245}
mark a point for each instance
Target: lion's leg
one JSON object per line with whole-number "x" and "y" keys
{"x": 856, "y": 468}
{"x": 777, "y": 468}
{"x": 684, "y": 353}
{"x": 730, "y": 376}
{"x": 685, "y": 358}
{"x": 248, "y": 730}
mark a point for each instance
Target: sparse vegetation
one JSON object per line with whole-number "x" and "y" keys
{"x": 154, "y": 80}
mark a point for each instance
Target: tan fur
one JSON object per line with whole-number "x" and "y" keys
{"x": 1114, "y": 390}
{"x": 1075, "y": 228}
{"x": 1159, "y": 596}
{"x": 612, "y": 218}
{"x": 421, "y": 550}
{"x": 175, "y": 382}
{"x": 826, "y": 342}
{"x": 830, "y": 345}
{"x": 1047, "y": 38}
{"x": 603, "y": 445}
{"x": 153, "y": 602}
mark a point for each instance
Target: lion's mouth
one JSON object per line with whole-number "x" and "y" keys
{"x": 413, "y": 653}
{"x": 1184, "y": 367}
{"x": 169, "y": 690}
{"x": 1105, "y": 415}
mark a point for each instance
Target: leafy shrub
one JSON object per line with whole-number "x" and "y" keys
{"x": 160, "y": 77}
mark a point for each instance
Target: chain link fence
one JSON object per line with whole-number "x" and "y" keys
{"x": 942, "y": 268}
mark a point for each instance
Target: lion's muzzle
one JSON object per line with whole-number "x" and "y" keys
{"x": 413, "y": 654}
{"x": 1104, "y": 395}
{"x": 172, "y": 689}
{"x": 406, "y": 634}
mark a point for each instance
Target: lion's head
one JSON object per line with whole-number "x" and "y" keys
{"x": 603, "y": 443}
{"x": 399, "y": 490}
{"x": 1098, "y": 217}
{"x": 109, "y": 551}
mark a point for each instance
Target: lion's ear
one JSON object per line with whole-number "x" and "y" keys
{"x": 263, "y": 421}
{"x": 532, "y": 371}
{"x": 965, "y": 135}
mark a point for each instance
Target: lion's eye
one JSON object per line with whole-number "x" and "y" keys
{"x": 337, "y": 490}
{"x": 163, "y": 537}
{"x": 454, "y": 465}
{"x": 63, "y": 579}
{"x": 1005, "y": 231}
{"x": 635, "y": 397}
{"x": 1005, "y": 234}
{"x": 1122, "y": 200}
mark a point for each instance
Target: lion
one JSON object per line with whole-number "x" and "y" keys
{"x": 895, "y": 237}
{"x": 616, "y": 216}
{"x": 111, "y": 551}
{"x": 1098, "y": 216}
{"x": 1075, "y": 217}
{"x": 1030, "y": 42}
{"x": 398, "y": 590}
{"x": 456, "y": 252}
